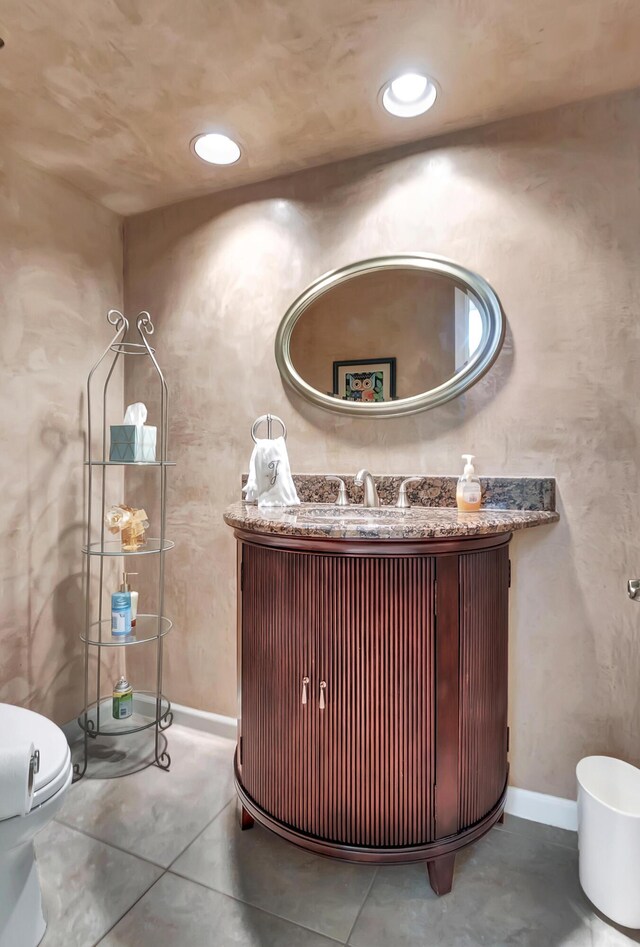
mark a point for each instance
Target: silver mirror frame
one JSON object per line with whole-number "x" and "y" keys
{"x": 483, "y": 359}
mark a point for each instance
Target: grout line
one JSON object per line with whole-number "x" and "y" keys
{"x": 255, "y": 907}
{"x": 544, "y": 841}
{"x": 364, "y": 901}
{"x": 196, "y": 837}
{"x": 130, "y": 908}
{"x": 128, "y": 851}
{"x": 119, "y": 848}
{"x": 169, "y": 869}
{"x": 538, "y": 838}
{"x": 281, "y": 917}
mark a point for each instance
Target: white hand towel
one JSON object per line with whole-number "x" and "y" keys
{"x": 270, "y": 481}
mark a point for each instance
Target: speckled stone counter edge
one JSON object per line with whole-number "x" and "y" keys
{"x": 498, "y": 493}
{"x": 357, "y": 522}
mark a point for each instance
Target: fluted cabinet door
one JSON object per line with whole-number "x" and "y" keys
{"x": 375, "y": 656}
{"x": 279, "y": 729}
{"x": 484, "y": 607}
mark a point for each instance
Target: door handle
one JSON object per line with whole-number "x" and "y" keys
{"x": 323, "y": 688}
{"x": 305, "y": 681}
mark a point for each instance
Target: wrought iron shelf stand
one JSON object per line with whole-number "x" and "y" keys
{"x": 152, "y": 709}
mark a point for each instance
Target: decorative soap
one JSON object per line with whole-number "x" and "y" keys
{"x": 130, "y": 523}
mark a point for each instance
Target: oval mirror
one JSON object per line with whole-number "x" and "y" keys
{"x": 390, "y": 336}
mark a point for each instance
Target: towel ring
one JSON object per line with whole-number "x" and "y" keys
{"x": 269, "y": 418}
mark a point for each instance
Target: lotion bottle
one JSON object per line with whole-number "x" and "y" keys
{"x": 468, "y": 491}
{"x": 125, "y": 587}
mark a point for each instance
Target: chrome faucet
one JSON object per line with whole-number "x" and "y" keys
{"x": 364, "y": 478}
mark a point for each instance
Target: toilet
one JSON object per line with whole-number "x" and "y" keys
{"x": 22, "y": 922}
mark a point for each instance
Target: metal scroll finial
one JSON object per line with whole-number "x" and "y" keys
{"x": 118, "y": 319}
{"x": 144, "y": 322}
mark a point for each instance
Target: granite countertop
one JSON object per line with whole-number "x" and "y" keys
{"x": 386, "y": 522}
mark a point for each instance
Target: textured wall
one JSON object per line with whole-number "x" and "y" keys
{"x": 60, "y": 270}
{"x": 122, "y": 87}
{"x": 547, "y": 209}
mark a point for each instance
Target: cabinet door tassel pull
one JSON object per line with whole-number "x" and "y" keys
{"x": 323, "y": 687}
{"x": 305, "y": 681}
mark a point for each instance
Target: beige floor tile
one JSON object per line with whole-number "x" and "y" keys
{"x": 178, "y": 913}
{"x": 86, "y": 885}
{"x": 255, "y": 866}
{"x": 510, "y": 889}
{"x": 156, "y": 814}
{"x": 546, "y": 833}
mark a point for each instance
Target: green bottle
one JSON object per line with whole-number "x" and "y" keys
{"x": 122, "y": 699}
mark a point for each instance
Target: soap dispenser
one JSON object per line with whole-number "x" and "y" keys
{"x": 468, "y": 491}
{"x": 125, "y": 587}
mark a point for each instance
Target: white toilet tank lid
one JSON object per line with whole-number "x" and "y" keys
{"x": 19, "y": 726}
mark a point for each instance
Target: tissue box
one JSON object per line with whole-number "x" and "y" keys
{"x": 130, "y": 443}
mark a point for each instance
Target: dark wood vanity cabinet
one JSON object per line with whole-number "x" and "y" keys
{"x": 373, "y": 694}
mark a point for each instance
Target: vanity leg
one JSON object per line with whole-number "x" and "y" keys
{"x": 501, "y": 819}
{"x": 244, "y": 818}
{"x": 441, "y": 873}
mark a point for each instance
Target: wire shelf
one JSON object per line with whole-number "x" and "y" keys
{"x": 145, "y": 629}
{"x": 113, "y": 547}
{"x": 129, "y": 463}
{"x": 143, "y": 717}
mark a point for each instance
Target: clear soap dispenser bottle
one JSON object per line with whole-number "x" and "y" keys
{"x": 468, "y": 491}
{"x": 125, "y": 587}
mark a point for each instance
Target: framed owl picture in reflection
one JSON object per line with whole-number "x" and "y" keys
{"x": 365, "y": 380}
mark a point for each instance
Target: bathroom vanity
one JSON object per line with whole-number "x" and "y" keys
{"x": 372, "y": 650}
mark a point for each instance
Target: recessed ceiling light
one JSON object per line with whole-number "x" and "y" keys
{"x": 216, "y": 149}
{"x": 408, "y": 95}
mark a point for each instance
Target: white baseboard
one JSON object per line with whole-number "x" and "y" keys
{"x": 538, "y": 807}
{"x": 535, "y": 806}
{"x": 205, "y": 721}
{"x": 202, "y": 720}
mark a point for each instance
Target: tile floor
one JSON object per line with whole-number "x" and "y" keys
{"x": 157, "y": 860}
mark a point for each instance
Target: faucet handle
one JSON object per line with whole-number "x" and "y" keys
{"x": 633, "y": 588}
{"x": 343, "y": 499}
{"x": 403, "y": 503}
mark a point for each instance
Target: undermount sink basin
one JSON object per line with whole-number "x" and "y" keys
{"x": 346, "y": 514}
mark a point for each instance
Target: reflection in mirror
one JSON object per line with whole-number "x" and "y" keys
{"x": 469, "y": 328}
{"x": 390, "y": 336}
{"x": 387, "y": 334}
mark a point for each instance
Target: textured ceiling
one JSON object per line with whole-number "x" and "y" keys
{"x": 109, "y": 93}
